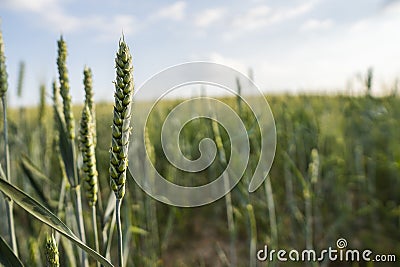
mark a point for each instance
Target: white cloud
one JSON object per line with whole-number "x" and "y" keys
{"x": 254, "y": 18}
{"x": 326, "y": 62}
{"x": 230, "y": 62}
{"x": 294, "y": 12}
{"x": 176, "y": 12}
{"x": 110, "y": 28}
{"x": 315, "y": 24}
{"x": 392, "y": 7}
{"x": 51, "y": 14}
{"x": 103, "y": 27}
{"x": 263, "y": 16}
{"x": 209, "y": 16}
{"x": 58, "y": 21}
{"x": 29, "y": 5}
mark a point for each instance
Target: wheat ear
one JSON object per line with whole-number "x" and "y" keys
{"x": 51, "y": 250}
{"x": 121, "y": 131}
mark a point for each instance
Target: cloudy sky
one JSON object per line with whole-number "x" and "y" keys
{"x": 291, "y": 45}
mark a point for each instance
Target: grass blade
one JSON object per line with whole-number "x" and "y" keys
{"x": 47, "y": 217}
{"x": 36, "y": 179}
{"x": 7, "y": 256}
{"x": 66, "y": 149}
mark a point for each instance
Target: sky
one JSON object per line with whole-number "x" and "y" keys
{"x": 291, "y": 45}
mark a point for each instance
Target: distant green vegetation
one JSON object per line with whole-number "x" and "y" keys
{"x": 356, "y": 194}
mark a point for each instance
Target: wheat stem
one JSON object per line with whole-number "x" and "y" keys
{"x": 309, "y": 199}
{"x": 119, "y": 232}
{"x": 150, "y": 205}
{"x": 95, "y": 232}
{"x": 77, "y": 199}
{"x": 3, "y": 95}
{"x": 253, "y": 235}
{"x": 42, "y": 105}
{"x": 70, "y": 127}
{"x": 272, "y": 215}
{"x": 228, "y": 197}
{"x": 21, "y": 75}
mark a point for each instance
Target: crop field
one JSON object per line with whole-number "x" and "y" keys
{"x": 70, "y": 200}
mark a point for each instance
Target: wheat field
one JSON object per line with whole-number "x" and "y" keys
{"x": 69, "y": 199}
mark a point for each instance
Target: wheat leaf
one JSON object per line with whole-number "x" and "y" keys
{"x": 43, "y": 214}
{"x": 66, "y": 149}
{"x": 36, "y": 178}
{"x": 7, "y": 256}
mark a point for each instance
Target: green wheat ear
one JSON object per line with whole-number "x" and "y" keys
{"x": 121, "y": 121}
{"x": 52, "y": 257}
{"x": 88, "y": 84}
{"x": 314, "y": 166}
{"x": 33, "y": 252}
{"x": 87, "y": 148}
{"x": 56, "y": 99}
{"x": 42, "y": 104}
{"x": 3, "y": 71}
{"x": 64, "y": 87}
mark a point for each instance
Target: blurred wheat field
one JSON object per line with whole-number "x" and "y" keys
{"x": 355, "y": 193}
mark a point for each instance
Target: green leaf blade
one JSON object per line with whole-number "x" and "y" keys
{"x": 43, "y": 214}
{"x": 7, "y": 256}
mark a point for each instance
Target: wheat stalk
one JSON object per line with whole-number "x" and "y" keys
{"x": 90, "y": 174}
{"x": 42, "y": 104}
{"x": 21, "y": 75}
{"x": 150, "y": 205}
{"x": 271, "y": 214}
{"x": 309, "y": 198}
{"x": 253, "y": 234}
{"x": 70, "y": 128}
{"x": 3, "y": 96}
{"x": 228, "y": 197}
{"x": 121, "y": 131}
